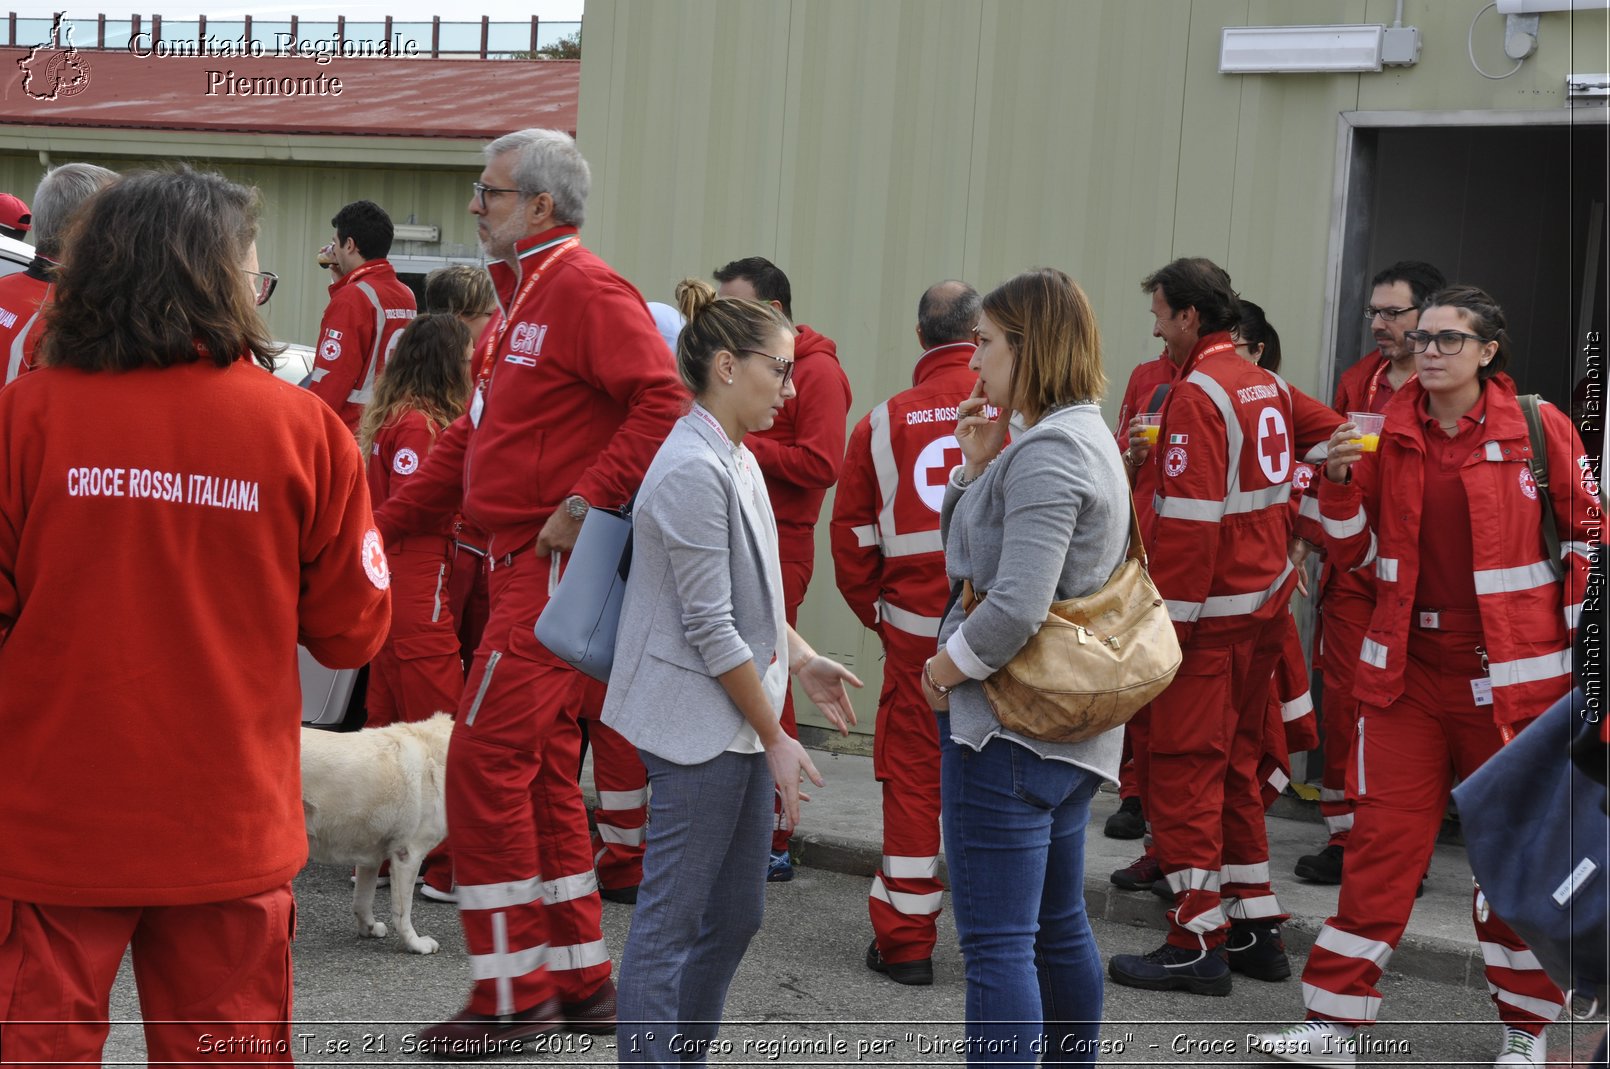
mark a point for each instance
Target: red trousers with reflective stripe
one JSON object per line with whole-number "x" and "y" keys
{"x": 796, "y": 580}
{"x": 621, "y": 782}
{"x": 418, "y": 672}
{"x": 1203, "y": 798}
{"x": 1405, "y": 761}
{"x": 528, "y": 898}
{"x": 1343, "y": 623}
{"x": 1289, "y": 725}
{"x": 906, "y": 892}
{"x": 469, "y": 599}
{"x": 220, "y": 970}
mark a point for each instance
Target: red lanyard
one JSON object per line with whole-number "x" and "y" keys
{"x": 1375, "y": 384}
{"x": 493, "y": 339}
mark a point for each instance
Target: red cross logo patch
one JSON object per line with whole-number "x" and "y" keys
{"x": 374, "y": 560}
{"x": 1528, "y": 483}
{"x": 406, "y": 462}
{"x": 1174, "y": 462}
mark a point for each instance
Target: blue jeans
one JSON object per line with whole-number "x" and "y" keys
{"x": 1014, "y": 828}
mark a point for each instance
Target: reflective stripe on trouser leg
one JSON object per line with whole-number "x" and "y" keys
{"x": 1521, "y": 990}
{"x": 622, "y": 786}
{"x": 1192, "y": 725}
{"x": 906, "y": 896}
{"x": 1244, "y": 872}
{"x": 1338, "y": 715}
{"x": 577, "y": 956}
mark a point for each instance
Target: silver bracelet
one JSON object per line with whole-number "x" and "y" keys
{"x": 961, "y": 479}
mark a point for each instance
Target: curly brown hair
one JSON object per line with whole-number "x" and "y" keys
{"x": 428, "y": 371}
{"x": 151, "y": 276}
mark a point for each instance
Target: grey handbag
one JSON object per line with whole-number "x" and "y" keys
{"x": 579, "y": 622}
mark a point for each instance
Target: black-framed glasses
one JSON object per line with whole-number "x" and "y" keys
{"x": 786, "y": 364}
{"x": 1388, "y": 314}
{"x": 263, "y": 283}
{"x": 1449, "y": 342}
{"x": 482, "y": 189}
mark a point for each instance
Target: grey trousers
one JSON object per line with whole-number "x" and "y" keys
{"x": 701, "y": 901}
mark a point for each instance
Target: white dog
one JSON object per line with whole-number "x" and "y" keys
{"x": 376, "y": 795}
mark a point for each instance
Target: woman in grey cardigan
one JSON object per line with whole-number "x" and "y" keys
{"x": 1046, "y": 519}
{"x": 702, "y": 661}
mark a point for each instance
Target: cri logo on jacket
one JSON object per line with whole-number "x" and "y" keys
{"x": 525, "y": 345}
{"x": 330, "y": 347}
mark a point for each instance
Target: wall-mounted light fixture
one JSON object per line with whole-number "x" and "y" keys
{"x": 1300, "y": 49}
{"x": 416, "y": 232}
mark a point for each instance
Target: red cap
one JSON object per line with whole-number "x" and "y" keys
{"x": 14, "y": 213}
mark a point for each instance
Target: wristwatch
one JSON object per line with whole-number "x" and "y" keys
{"x": 576, "y": 506}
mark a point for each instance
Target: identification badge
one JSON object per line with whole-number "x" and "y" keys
{"x": 1482, "y": 691}
{"x": 476, "y": 404}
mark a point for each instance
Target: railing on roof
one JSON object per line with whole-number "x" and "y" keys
{"x": 340, "y": 37}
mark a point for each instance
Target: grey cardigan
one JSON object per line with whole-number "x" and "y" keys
{"x": 703, "y": 597}
{"x": 1048, "y": 520}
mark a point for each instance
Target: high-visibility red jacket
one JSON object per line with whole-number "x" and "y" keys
{"x": 1143, "y": 383}
{"x": 800, "y": 454}
{"x": 368, "y": 309}
{"x": 581, "y": 394}
{"x": 1341, "y": 590}
{"x": 22, "y": 321}
{"x": 888, "y": 557}
{"x": 1226, "y": 451}
{"x": 161, "y": 552}
{"x": 1528, "y": 616}
{"x": 400, "y": 449}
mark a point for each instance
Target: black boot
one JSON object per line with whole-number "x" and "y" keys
{"x": 1256, "y": 949}
{"x": 1128, "y": 823}
{"x": 1323, "y": 867}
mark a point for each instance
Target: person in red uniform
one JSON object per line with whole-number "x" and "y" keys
{"x": 800, "y": 455}
{"x": 156, "y": 574}
{"x": 426, "y": 385}
{"x": 369, "y": 306}
{"x": 15, "y": 218}
{"x": 1469, "y": 641}
{"x": 1226, "y": 449}
{"x": 580, "y": 394}
{"x": 889, "y": 563}
{"x": 1397, "y": 293}
{"x": 23, "y": 295}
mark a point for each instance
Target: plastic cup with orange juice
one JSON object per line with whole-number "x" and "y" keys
{"x": 1369, "y": 429}
{"x": 1150, "y": 424}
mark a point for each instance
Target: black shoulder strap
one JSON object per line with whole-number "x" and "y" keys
{"x": 1540, "y": 474}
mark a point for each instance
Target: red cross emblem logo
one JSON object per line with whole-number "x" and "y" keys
{"x": 374, "y": 560}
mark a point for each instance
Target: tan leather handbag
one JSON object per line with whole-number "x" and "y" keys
{"x": 1094, "y": 662}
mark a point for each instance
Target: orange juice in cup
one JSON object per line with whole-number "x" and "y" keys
{"x": 1369, "y": 429}
{"x": 1150, "y": 424}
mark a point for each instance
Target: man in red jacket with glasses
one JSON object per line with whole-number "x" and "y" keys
{"x": 800, "y": 455}
{"x": 579, "y": 393}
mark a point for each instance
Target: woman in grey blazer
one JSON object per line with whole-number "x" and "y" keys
{"x": 1042, "y": 521}
{"x": 702, "y": 661}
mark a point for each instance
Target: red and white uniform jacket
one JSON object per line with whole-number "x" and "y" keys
{"x": 368, "y": 309}
{"x": 581, "y": 393}
{"x": 161, "y": 552}
{"x": 888, "y": 557}
{"x": 1143, "y": 384}
{"x": 22, "y": 320}
{"x": 1362, "y": 388}
{"x": 800, "y": 454}
{"x": 400, "y": 449}
{"x": 1226, "y": 452}
{"x": 1528, "y": 616}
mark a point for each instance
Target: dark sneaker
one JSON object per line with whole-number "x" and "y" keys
{"x": 594, "y": 1014}
{"x": 627, "y": 895}
{"x": 781, "y": 868}
{"x": 1258, "y": 951}
{"x": 1172, "y": 968}
{"x": 1162, "y": 890}
{"x": 1323, "y": 867}
{"x": 1128, "y": 823}
{"x": 919, "y": 973}
{"x": 471, "y": 1035}
{"x": 1139, "y": 875}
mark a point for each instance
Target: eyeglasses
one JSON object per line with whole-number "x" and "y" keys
{"x": 263, "y": 283}
{"x": 1388, "y": 314}
{"x": 786, "y": 364}
{"x": 1449, "y": 342}
{"x": 482, "y": 189}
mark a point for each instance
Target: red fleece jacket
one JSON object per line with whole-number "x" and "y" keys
{"x": 802, "y": 452}
{"x": 163, "y": 549}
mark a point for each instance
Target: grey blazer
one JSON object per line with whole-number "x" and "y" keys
{"x": 703, "y": 597}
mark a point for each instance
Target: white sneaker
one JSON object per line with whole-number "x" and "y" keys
{"x": 436, "y": 894}
{"x": 1522, "y": 1048}
{"x": 1312, "y": 1043}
